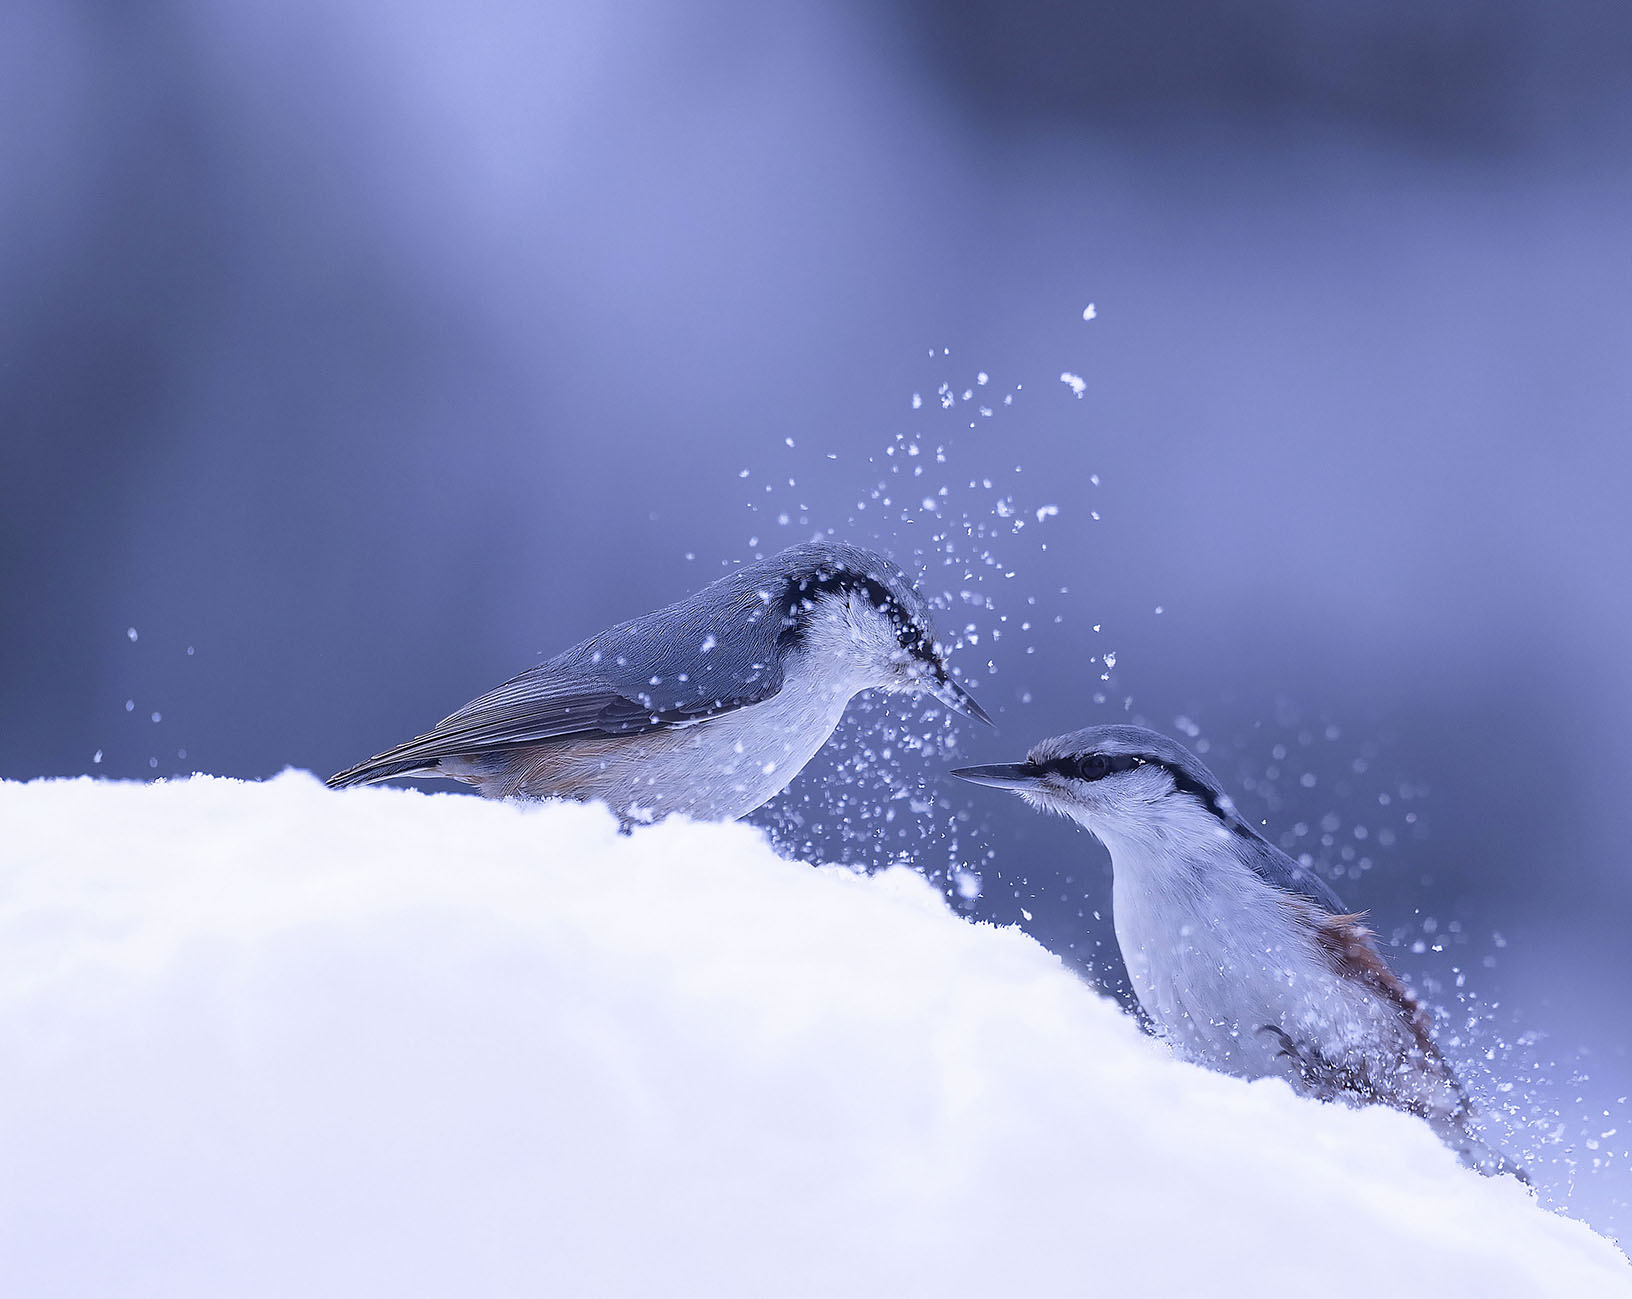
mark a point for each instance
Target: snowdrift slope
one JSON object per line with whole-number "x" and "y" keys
{"x": 265, "y": 1039}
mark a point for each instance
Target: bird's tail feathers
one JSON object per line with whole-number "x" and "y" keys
{"x": 382, "y": 767}
{"x": 1478, "y": 1154}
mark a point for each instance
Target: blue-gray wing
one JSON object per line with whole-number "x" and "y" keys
{"x": 1274, "y": 867}
{"x": 629, "y": 683}
{"x": 673, "y": 668}
{"x": 717, "y": 650}
{"x": 697, "y": 658}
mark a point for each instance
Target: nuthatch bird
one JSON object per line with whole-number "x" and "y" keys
{"x": 1244, "y": 960}
{"x": 708, "y": 707}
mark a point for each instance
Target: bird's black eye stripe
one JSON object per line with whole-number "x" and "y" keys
{"x": 1096, "y": 766}
{"x": 909, "y": 631}
{"x": 1092, "y": 766}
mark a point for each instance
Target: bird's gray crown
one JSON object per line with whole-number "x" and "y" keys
{"x": 821, "y": 568}
{"x": 1122, "y": 747}
{"x": 1099, "y": 753}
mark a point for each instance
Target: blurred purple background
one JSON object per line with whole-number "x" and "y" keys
{"x": 370, "y": 351}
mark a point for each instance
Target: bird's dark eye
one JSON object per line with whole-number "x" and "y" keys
{"x": 1093, "y": 766}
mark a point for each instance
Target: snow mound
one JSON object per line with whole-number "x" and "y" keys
{"x": 266, "y": 1039}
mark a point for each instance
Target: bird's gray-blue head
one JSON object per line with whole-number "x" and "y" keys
{"x": 1125, "y": 784}
{"x": 858, "y": 613}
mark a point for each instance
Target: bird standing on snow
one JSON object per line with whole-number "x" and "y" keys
{"x": 1243, "y": 959}
{"x": 708, "y": 707}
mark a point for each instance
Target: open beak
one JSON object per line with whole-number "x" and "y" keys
{"x": 955, "y": 697}
{"x": 1002, "y": 775}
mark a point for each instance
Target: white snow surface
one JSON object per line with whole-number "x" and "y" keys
{"x": 267, "y": 1039}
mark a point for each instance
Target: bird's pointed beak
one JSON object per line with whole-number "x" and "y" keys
{"x": 1002, "y": 775}
{"x": 955, "y": 697}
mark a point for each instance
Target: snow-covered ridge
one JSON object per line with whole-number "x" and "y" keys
{"x": 265, "y": 1039}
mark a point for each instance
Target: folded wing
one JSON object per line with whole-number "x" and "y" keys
{"x": 552, "y": 701}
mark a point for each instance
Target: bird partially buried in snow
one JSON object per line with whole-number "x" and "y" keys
{"x": 708, "y": 707}
{"x": 1242, "y": 958}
